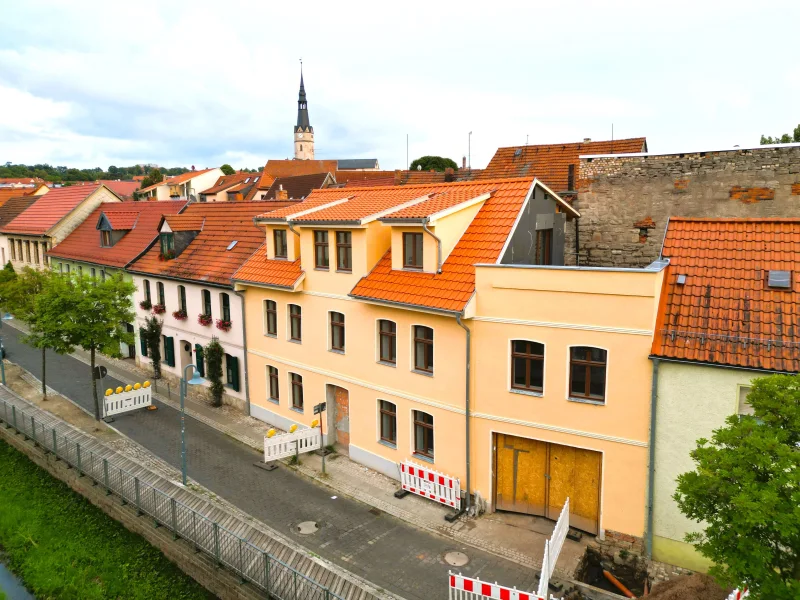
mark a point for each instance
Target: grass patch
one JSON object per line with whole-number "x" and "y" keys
{"x": 64, "y": 547}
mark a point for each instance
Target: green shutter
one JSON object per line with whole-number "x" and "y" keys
{"x": 142, "y": 342}
{"x": 169, "y": 351}
{"x": 233, "y": 372}
{"x": 199, "y": 360}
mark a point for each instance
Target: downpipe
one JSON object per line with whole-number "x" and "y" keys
{"x": 425, "y": 222}
{"x": 651, "y": 468}
{"x": 244, "y": 342}
{"x": 466, "y": 411}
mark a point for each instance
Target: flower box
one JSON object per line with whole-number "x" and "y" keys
{"x": 159, "y": 309}
{"x": 166, "y": 256}
{"x": 180, "y": 315}
{"x": 223, "y": 325}
{"x": 145, "y": 305}
{"x": 204, "y": 320}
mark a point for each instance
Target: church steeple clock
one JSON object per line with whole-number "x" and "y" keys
{"x": 303, "y": 131}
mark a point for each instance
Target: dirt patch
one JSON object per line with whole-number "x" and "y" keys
{"x": 57, "y": 405}
{"x": 629, "y": 568}
{"x": 689, "y": 587}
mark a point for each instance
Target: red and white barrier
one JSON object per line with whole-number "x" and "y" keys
{"x": 431, "y": 484}
{"x": 466, "y": 588}
{"x": 738, "y": 594}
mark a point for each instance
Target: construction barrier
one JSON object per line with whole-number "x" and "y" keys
{"x": 431, "y": 484}
{"x": 738, "y": 594}
{"x": 125, "y": 400}
{"x": 284, "y": 445}
{"x": 552, "y": 548}
{"x": 466, "y": 588}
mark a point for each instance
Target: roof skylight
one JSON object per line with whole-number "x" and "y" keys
{"x": 232, "y": 244}
{"x": 780, "y": 279}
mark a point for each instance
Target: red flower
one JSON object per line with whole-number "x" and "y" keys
{"x": 224, "y": 325}
{"x": 204, "y": 320}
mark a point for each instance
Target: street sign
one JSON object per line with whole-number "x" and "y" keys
{"x": 321, "y": 407}
{"x": 100, "y": 372}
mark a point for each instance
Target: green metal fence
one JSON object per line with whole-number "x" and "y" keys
{"x": 251, "y": 563}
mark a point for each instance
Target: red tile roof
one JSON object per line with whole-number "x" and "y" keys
{"x": 6, "y": 193}
{"x": 191, "y": 221}
{"x": 177, "y": 179}
{"x": 437, "y": 202}
{"x": 123, "y": 189}
{"x": 260, "y": 269}
{"x": 13, "y": 207}
{"x": 290, "y": 168}
{"x": 725, "y": 313}
{"x": 299, "y": 186}
{"x": 27, "y": 181}
{"x": 550, "y": 162}
{"x": 207, "y": 258}
{"x": 139, "y": 219}
{"x": 228, "y": 181}
{"x": 49, "y": 209}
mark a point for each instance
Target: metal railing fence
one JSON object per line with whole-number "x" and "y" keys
{"x": 251, "y": 563}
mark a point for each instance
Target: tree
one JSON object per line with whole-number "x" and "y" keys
{"x": 94, "y": 318}
{"x": 437, "y": 163}
{"x": 746, "y": 490}
{"x": 227, "y": 169}
{"x": 152, "y": 178}
{"x": 782, "y": 139}
{"x": 152, "y": 338}
{"x": 213, "y": 355}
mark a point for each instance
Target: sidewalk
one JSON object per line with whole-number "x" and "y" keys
{"x": 515, "y": 537}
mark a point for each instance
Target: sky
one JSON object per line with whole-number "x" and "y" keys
{"x": 178, "y": 83}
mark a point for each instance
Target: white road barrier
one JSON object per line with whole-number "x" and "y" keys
{"x": 121, "y": 402}
{"x": 284, "y": 445}
{"x": 430, "y": 484}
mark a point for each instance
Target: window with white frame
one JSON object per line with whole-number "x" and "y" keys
{"x": 297, "y": 390}
{"x": 273, "y": 386}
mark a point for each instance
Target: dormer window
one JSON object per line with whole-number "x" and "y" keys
{"x": 106, "y": 240}
{"x": 167, "y": 245}
{"x": 412, "y": 251}
{"x": 279, "y": 236}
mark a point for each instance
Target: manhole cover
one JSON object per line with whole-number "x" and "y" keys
{"x": 306, "y": 527}
{"x": 456, "y": 559}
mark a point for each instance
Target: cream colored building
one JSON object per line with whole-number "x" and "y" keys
{"x": 187, "y": 186}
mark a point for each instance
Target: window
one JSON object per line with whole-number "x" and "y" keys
{"x": 80, "y": 270}
{"x": 295, "y": 323}
{"x": 13, "y": 247}
{"x": 423, "y": 348}
{"x": 199, "y": 360}
{"x": 271, "y": 316}
{"x": 423, "y": 434}
{"x": 182, "y": 298}
{"x": 36, "y": 253}
{"x": 66, "y": 268}
{"x": 297, "y": 390}
{"x": 321, "y": 259}
{"x": 226, "y": 306}
{"x": 544, "y": 243}
{"x": 142, "y": 342}
{"x": 387, "y": 341}
{"x": 161, "y": 296}
{"x": 60, "y": 267}
{"x": 588, "y": 373}
{"x": 167, "y": 245}
{"x": 27, "y": 252}
{"x": 102, "y": 274}
{"x": 232, "y": 372}
{"x": 527, "y": 365}
{"x": 169, "y": 350}
{"x": 274, "y": 390}
{"x": 344, "y": 251}
{"x": 337, "y": 331}
{"x": 412, "y": 250}
{"x": 744, "y": 405}
{"x": 206, "y": 298}
{"x": 388, "y": 419}
{"x": 19, "y": 250}
{"x": 147, "y": 291}
{"x": 279, "y": 236}
{"x": 93, "y": 272}
{"x": 105, "y": 239}
{"x": 44, "y": 253}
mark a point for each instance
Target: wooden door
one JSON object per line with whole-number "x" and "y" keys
{"x": 521, "y": 468}
{"x": 575, "y": 474}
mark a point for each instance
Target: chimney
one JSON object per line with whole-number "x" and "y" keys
{"x": 587, "y": 140}
{"x": 464, "y": 162}
{"x": 449, "y": 174}
{"x": 192, "y": 167}
{"x": 281, "y": 194}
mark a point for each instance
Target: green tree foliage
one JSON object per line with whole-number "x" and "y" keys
{"x": 782, "y": 139}
{"x": 227, "y": 169}
{"x": 746, "y": 491}
{"x": 152, "y": 337}
{"x": 153, "y": 177}
{"x": 67, "y": 175}
{"x": 94, "y": 316}
{"x": 213, "y": 355}
{"x": 437, "y": 163}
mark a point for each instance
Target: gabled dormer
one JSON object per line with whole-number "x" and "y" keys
{"x": 114, "y": 226}
{"x": 176, "y": 232}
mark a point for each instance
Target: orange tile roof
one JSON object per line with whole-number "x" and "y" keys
{"x": 550, "y": 162}
{"x": 12, "y": 207}
{"x": 437, "y": 202}
{"x": 139, "y": 219}
{"x": 725, "y": 313}
{"x": 191, "y": 221}
{"x": 263, "y": 183}
{"x": 124, "y": 189}
{"x": 227, "y": 181}
{"x": 207, "y": 258}
{"x": 290, "y": 168}
{"x": 177, "y": 179}
{"x": 49, "y": 209}
{"x": 259, "y": 269}
{"x": 7, "y": 193}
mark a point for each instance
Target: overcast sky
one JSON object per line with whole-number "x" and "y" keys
{"x": 92, "y": 84}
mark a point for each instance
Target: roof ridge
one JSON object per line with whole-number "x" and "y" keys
{"x": 736, "y": 219}
{"x": 630, "y": 139}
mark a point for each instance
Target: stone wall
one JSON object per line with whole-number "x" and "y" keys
{"x": 625, "y": 201}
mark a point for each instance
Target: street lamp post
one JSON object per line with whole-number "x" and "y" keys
{"x": 195, "y": 380}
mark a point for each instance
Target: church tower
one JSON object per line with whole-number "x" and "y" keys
{"x": 303, "y": 131}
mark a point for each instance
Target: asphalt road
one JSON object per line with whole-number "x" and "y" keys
{"x": 378, "y": 547}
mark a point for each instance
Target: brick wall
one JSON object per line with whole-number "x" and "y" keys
{"x": 342, "y": 416}
{"x": 625, "y": 201}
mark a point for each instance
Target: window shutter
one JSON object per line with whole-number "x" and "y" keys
{"x": 142, "y": 342}
{"x": 199, "y": 360}
{"x": 169, "y": 351}
{"x": 233, "y": 367}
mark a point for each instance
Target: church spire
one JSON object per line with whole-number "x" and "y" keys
{"x": 302, "y": 106}
{"x": 303, "y": 131}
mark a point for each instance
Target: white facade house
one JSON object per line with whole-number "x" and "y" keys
{"x": 186, "y": 186}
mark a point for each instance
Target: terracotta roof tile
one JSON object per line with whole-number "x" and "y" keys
{"x": 123, "y": 189}
{"x": 724, "y": 312}
{"x": 299, "y": 186}
{"x": 550, "y": 162}
{"x": 7, "y": 193}
{"x": 29, "y": 181}
{"x": 13, "y": 207}
{"x": 49, "y": 209}
{"x": 139, "y": 219}
{"x": 228, "y": 181}
{"x": 177, "y": 179}
{"x": 290, "y": 168}
{"x": 260, "y": 269}
{"x": 192, "y": 221}
{"x": 207, "y": 258}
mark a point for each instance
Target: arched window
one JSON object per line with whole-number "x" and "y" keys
{"x": 423, "y": 349}
{"x": 423, "y": 434}
{"x": 387, "y": 341}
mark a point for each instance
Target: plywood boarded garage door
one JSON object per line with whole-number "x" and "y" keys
{"x": 536, "y": 478}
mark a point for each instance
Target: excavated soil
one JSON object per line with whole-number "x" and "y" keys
{"x": 689, "y": 587}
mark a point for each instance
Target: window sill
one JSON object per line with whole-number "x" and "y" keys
{"x": 274, "y": 400}
{"x": 388, "y": 444}
{"x": 290, "y": 340}
{"x": 272, "y": 335}
{"x": 407, "y": 268}
{"x": 425, "y": 373}
{"x": 587, "y": 401}
{"x": 347, "y": 271}
{"x": 297, "y": 410}
{"x": 322, "y": 268}
{"x": 387, "y": 364}
{"x": 423, "y": 457}
{"x": 228, "y": 386}
{"x": 280, "y": 258}
{"x": 527, "y": 392}
{"x": 335, "y": 351}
